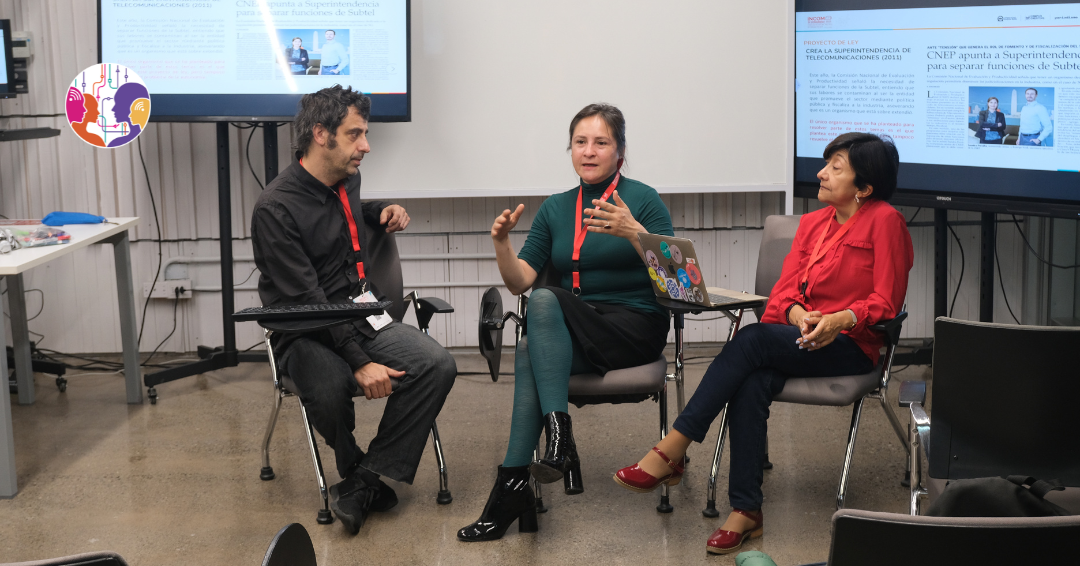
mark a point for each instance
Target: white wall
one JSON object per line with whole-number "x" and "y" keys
{"x": 79, "y": 313}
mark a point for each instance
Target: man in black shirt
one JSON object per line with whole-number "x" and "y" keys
{"x": 309, "y": 246}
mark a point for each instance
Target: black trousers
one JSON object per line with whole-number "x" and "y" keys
{"x": 327, "y": 387}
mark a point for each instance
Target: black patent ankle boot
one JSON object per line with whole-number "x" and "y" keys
{"x": 511, "y": 499}
{"x": 561, "y": 459}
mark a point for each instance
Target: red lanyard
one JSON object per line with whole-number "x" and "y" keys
{"x": 819, "y": 252}
{"x": 579, "y": 234}
{"x": 352, "y": 226}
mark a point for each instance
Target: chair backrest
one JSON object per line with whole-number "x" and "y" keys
{"x": 87, "y": 559}
{"x": 775, "y": 246}
{"x": 1004, "y": 401}
{"x": 548, "y": 277}
{"x": 385, "y": 267}
{"x": 291, "y": 546}
{"x": 889, "y": 539}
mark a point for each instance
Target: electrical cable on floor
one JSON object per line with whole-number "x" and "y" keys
{"x": 962, "y": 263}
{"x": 1036, "y": 254}
{"x": 157, "y": 222}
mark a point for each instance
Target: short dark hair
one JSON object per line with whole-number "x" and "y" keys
{"x": 331, "y": 31}
{"x": 1032, "y": 88}
{"x": 328, "y": 107}
{"x": 873, "y": 158}
{"x": 611, "y": 116}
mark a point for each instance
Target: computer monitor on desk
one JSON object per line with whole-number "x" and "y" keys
{"x": 7, "y": 61}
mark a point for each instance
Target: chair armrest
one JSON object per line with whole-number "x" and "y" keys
{"x": 427, "y": 307}
{"x": 912, "y": 392}
{"x": 434, "y": 304}
{"x": 891, "y": 328}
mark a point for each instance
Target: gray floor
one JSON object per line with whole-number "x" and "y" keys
{"x": 178, "y": 483}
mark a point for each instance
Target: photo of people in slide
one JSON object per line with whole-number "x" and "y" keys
{"x": 322, "y": 51}
{"x": 1020, "y": 115}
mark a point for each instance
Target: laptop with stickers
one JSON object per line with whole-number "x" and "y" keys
{"x": 676, "y": 274}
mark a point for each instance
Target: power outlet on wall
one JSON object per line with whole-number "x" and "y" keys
{"x": 167, "y": 289}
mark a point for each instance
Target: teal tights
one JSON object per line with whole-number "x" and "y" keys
{"x": 543, "y": 364}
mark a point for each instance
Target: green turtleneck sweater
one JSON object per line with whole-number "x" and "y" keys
{"x": 611, "y": 270}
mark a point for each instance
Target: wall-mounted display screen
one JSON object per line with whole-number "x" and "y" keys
{"x": 254, "y": 59}
{"x": 983, "y": 101}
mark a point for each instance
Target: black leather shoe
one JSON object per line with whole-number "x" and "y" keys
{"x": 561, "y": 458}
{"x": 511, "y": 499}
{"x": 351, "y": 501}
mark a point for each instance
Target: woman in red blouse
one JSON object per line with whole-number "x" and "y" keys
{"x": 847, "y": 270}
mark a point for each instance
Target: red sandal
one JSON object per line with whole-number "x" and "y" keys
{"x": 636, "y": 479}
{"x": 724, "y": 542}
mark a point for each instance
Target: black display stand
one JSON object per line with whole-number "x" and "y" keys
{"x": 224, "y": 356}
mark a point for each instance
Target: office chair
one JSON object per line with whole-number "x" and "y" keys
{"x": 385, "y": 274}
{"x": 87, "y": 559}
{"x": 891, "y": 539}
{"x": 1004, "y": 403}
{"x": 630, "y": 385}
{"x": 291, "y": 546}
{"x": 832, "y": 391}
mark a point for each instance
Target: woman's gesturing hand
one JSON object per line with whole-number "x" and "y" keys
{"x": 819, "y": 330}
{"x": 615, "y": 219}
{"x": 505, "y": 222}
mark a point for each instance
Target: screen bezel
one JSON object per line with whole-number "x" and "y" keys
{"x": 283, "y": 100}
{"x": 7, "y": 59}
{"x": 906, "y": 193}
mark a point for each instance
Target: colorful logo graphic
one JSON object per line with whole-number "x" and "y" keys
{"x": 693, "y": 273}
{"x": 108, "y": 105}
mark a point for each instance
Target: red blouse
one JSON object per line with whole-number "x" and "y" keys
{"x": 866, "y": 271}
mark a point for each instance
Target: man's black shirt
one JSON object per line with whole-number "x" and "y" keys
{"x": 304, "y": 252}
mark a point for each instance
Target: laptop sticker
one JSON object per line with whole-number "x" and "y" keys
{"x": 693, "y": 273}
{"x": 676, "y": 254}
{"x": 665, "y": 250}
{"x": 652, "y": 274}
{"x": 650, "y": 258}
{"x": 684, "y": 279}
{"x": 661, "y": 284}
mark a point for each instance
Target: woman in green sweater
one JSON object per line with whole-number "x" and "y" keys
{"x": 602, "y": 317}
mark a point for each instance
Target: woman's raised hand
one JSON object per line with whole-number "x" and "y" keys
{"x": 615, "y": 219}
{"x": 505, "y": 222}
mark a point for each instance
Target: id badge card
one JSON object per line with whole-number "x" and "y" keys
{"x": 377, "y": 321}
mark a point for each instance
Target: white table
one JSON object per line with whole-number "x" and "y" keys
{"x": 12, "y": 266}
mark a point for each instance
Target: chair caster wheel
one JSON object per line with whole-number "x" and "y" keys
{"x": 710, "y": 510}
{"x": 61, "y": 384}
{"x": 152, "y": 394}
{"x": 444, "y": 497}
{"x": 540, "y": 505}
{"x": 267, "y": 473}
{"x": 325, "y": 518}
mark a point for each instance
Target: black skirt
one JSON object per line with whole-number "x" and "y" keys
{"x": 613, "y": 336}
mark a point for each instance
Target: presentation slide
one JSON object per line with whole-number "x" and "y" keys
{"x": 265, "y": 47}
{"x": 991, "y": 86}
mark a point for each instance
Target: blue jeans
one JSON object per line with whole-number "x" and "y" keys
{"x": 747, "y": 373}
{"x": 1027, "y": 140}
{"x": 327, "y": 388}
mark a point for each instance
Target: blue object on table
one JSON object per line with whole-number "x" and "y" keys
{"x": 60, "y": 218}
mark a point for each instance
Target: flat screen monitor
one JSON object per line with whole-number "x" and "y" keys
{"x": 982, "y": 98}
{"x": 252, "y": 60}
{"x": 7, "y": 62}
